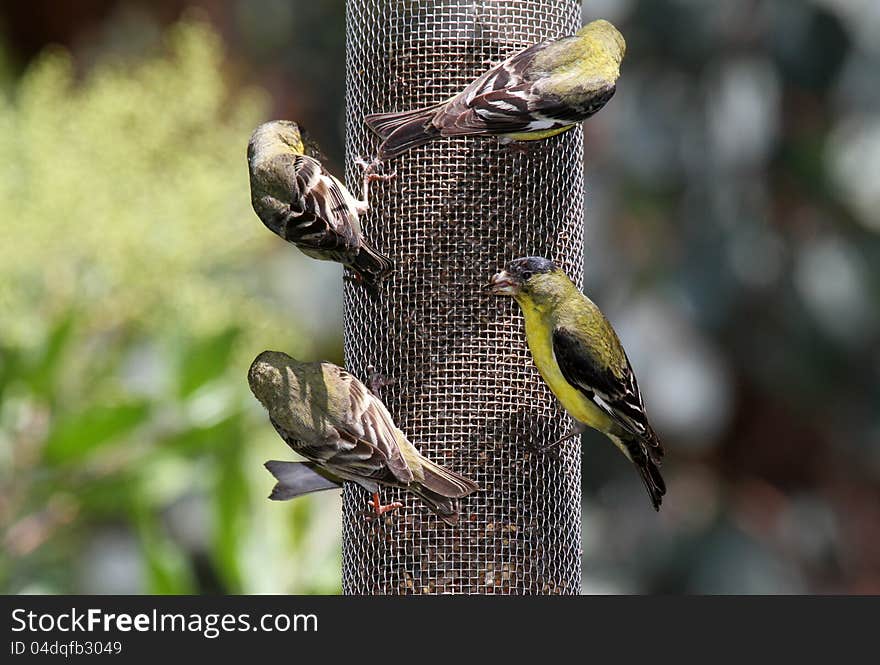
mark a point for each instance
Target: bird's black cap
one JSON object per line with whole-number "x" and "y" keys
{"x": 527, "y": 266}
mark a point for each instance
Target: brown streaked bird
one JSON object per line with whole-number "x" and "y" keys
{"x": 537, "y": 93}
{"x": 329, "y": 417}
{"x": 299, "y": 201}
{"x": 583, "y": 362}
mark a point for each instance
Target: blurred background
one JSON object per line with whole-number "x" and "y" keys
{"x": 733, "y": 216}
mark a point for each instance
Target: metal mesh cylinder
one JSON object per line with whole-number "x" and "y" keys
{"x": 465, "y": 389}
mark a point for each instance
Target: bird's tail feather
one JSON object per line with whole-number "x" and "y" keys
{"x": 441, "y": 488}
{"x": 442, "y": 481}
{"x": 650, "y": 473}
{"x": 647, "y": 462}
{"x": 297, "y": 478}
{"x": 402, "y": 131}
{"x": 444, "y": 507}
{"x": 372, "y": 266}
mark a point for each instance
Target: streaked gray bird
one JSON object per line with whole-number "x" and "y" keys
{"x": 537, "y": 93}
{"x": 298, "y": 200}
{"x": 329, "y": 417}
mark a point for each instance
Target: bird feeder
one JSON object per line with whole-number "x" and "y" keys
{"x": 462, "y": 384}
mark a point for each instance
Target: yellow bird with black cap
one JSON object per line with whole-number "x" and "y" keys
{"x": 583, "y": 362}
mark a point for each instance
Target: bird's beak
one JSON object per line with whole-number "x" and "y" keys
{"x": 504, "y": 284}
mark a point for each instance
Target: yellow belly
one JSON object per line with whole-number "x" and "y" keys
{"x": 537, "y": 136}
{"x": 539, "y": 338}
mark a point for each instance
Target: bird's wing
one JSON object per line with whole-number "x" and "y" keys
{"x": 321, "y": 213}
{"x": 504, "y": 100}
{"x": 618, "y": 397}
{"x": 367, "y": 444}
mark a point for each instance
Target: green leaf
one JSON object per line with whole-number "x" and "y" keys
{"x": 206, "y": 359}
{"x": 42, "y": 373}
{"x": 78, "y": 435}
{"x": 231, "y": 506}
{"x": 198, "y": 440}
{"x": 106, "y": 497}
{"x": 167, "y": 568}
{"x": 10, "y": 360}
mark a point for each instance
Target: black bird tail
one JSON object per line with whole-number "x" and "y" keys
{"x": 297, "y": 478}
{"x": 647, "y": 461}
{"x": 650, "y": 473}
{"x": 402, "y": 131}
{"x": 371, "y": 266}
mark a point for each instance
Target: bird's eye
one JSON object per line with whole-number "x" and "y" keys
{"x": 527, "y": 275}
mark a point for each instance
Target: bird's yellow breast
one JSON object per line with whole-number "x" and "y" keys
{"x": 539, "y": 336}
{"x": 537, "y": 135}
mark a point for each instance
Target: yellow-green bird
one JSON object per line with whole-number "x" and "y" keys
{"x": 298, "y": 200}
{"x": 542, "y": 91}
{"x": 329, "y": 417}
{"x": 580, "y": 357}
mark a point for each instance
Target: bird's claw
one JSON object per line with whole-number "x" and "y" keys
{"x": 381, "y": 510}
{"x": 575, "y": 431}
{"x": 369, "y": 169}
{"x": 373, "y": 177}
{"x": 537, "y": 447}
{"x": 370, "y": 175}
{"x": 378, "y": 509}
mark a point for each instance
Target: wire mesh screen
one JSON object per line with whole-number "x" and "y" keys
{"x": 464, "y": 389}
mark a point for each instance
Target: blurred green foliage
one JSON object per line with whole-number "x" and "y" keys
{"x": 133, "y": 172}
{"x": 130, "y": 263}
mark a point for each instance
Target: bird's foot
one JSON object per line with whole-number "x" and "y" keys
{"x": 370, "y": 175}
{"x": 369, "y": 169}
{"x": 373, "y": 177}
{"x": 376, "y": 381}
{"x": 353, "y": 276}
{"x": 378, "y": 509}
{"x": 577, "y": 430}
